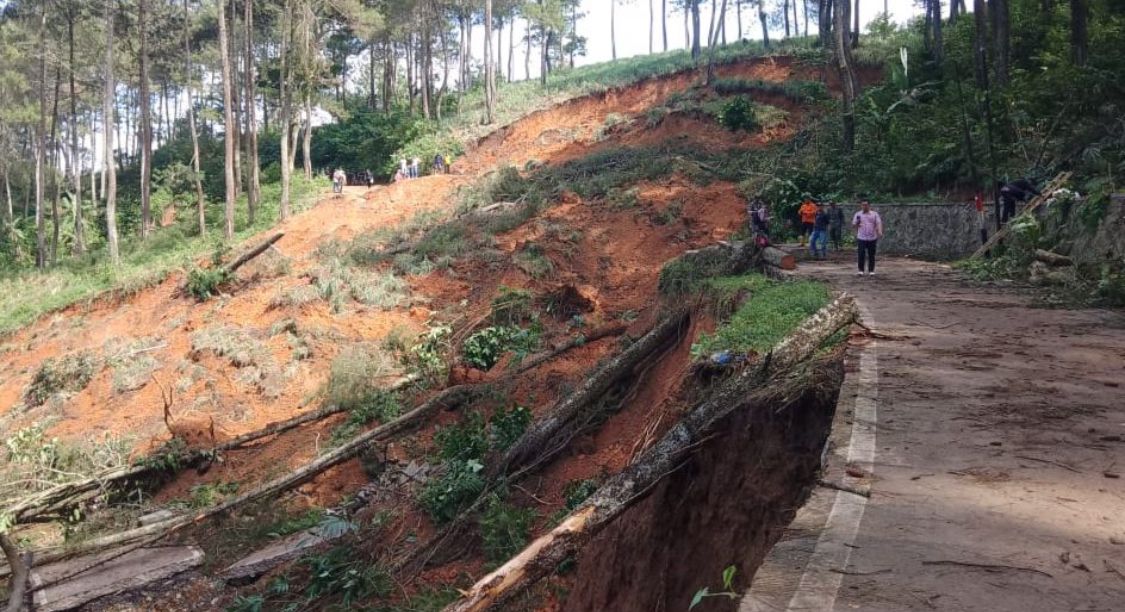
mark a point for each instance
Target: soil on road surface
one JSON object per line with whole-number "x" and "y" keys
{"x": 999, "y": 449}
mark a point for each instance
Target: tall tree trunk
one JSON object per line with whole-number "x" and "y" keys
{"x": 651, "y": 26}
{"x": 687, "y": 26}
{"x": 145, "y": 102}
{"x": 613, "y": 29}
{"x": 306, "y": 143}
{"x": 824, "y": 22}
{"x": 785, "y": 12}
{"x": 952, "y": 11}
{"x": 389, "y": 73}
{"x": 696, "y": 43}
{"x": 1001, "y": 41}
{"x": 711, "y": 27}
{"x": 855, "y": 29}
{"x": 511, "y": 49}
{"x": 284, "y": 99}
{"x": 847, "y": 77}
{"x": 499, "y": 48}
{"x": 371, "y": 96}
{"x": 1079, "y": 37}
{"x": 109, "y": 174}
{"x": 765, "y": 26}
{"x": 234, "y": 49}
{"x": 253, "y": 171}
{"x": 544, "y": 57}
{"x": 489, "y": 67}
{"x": 54, "y": 161}
{"x": 527, "y": 52}
{"x": 229, "y": 126}
{"x": 738, "y": 16}
{"x": 197, "y": 180}
{"x": 75, "y": 154}
{"x": 805, "y": 8}
{"x": 980, "y": 43}
{"x": 664, "y": 22}
{"x": 712, "y": 47}
{"x": 41, "y": 144}
{"x": 796, "y": 21}
{"x": 939, "y": 38}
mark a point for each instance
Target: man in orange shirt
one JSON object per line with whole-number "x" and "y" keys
{"x": 807, "y": 213}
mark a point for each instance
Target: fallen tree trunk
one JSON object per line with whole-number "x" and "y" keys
{"x": 778, "y": 258}
{"x": 258, "y": 250}
{"x": 22, "y": 571}
{"x": 447, "y": 399}
{"x": 540, "y": 437}
{"x": 603, "y": 332}
{"x": 1054, "y": 259}
{"x": 542, "y": 557}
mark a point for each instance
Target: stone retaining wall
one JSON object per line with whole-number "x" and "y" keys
{"x": 943, "y": 230}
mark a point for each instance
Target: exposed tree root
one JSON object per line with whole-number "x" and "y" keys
{"x": 21, "y": 572}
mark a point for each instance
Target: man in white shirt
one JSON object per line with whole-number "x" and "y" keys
{"x": 868, "y": 230}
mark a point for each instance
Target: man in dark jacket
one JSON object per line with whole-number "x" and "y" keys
{"x": 1019, "y": 190}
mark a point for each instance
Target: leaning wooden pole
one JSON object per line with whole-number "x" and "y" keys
{"x": 621, "y": 491}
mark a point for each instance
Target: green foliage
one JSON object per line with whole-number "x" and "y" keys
{"x": 70, "y": 373}
{"x": 728, "y": 589}
{"x": 375, "y": 405}
{"x": 578, "y": 491}
{"x": 484, "y": 348}
{"x": 357, "y": 381}
{"x": 769, "y": 315}
{"x": 533, "y": 260}
{"x": 465, "y": 441}
{"x": 507, "y": 426}
{"x": 339, "y": 575}
{"x": 504, "y": 529}
{"x": 795, "y": 90}
{"x": 204, "y": 283}
{"x": 447, "y": 496}
{"x": 209, "y": 494}
{"x": 739, "y": 113}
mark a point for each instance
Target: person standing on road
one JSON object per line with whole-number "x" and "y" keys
{"x": 439, "y": 164}
{"x": 836, "y": 225}
{"x": 415, "y": 166}
{"x": 807, "y": 215}
{"x": 339, "y": 179}
{"x": 1019, "y": 190}
{"x": 868, "y": 230}
{"x": 403, "y": 168}
{"x": 820, "y": 235}
{"x": 448, "y": 161}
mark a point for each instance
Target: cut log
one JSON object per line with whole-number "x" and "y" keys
{"x": 1052, "y": 258}
{"x": 447, "y": 399}
{"x": 542, "y": 557}
{"x": 258, "y": 250}
{"x": 778, "y": 258}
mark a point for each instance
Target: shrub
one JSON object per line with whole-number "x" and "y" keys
{"x": 533, "y": 261}
{"x": 511, "y": 306}
{"x": 507, "y": 426}
{"x": 770, "y": 314}
{"x": 578, "y": 491}
{"x": 463, "y": 441}
{"x": 355, "y": 380}
{"x": 70, "y": 373}
{"x": 738, "y": 114}
{"x": 504, "y": 529}
{"x": 445, "y": 497}
{"x": 378, "y": 405}
{"x": 338, "y": 573}
{"x": 484, "y": 348}
{"x": 204, "y": 283}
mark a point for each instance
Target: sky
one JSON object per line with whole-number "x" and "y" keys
{"x": 632, "y": 18}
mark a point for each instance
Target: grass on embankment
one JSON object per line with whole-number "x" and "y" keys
{"x": 773, "y": 310}
{"x": 29, "y": 294}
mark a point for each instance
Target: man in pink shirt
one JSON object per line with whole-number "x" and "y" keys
{"x": 868, "y": 230}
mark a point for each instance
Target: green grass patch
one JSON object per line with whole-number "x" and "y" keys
{"x": 773, "y": 311}
{"x": 68, "y": 374}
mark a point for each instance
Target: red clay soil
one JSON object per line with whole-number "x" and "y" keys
{"x": 612, "y": 257}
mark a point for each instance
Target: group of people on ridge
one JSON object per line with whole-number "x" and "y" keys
{"x": 413, "y": 168}
{"x": 821, "y": 224}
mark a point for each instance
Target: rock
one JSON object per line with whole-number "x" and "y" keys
{"x": 130, "y": 571}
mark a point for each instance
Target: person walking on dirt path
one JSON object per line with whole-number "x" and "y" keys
{"x": 836, "y": 225}
{"x": 439, "y": 164}
{"x": 404, "y": 168}
{"x": 868, "y": 230}
{"x": 339, "y": 179}
{"x": 759, "y": 217}
{"x": 415, "y": 166}
{"x": 807, "y": 215}
{"x": 820, "y": 235}
{"x": 448, "y": 161}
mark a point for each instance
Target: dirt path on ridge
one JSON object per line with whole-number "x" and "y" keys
{"x": 999, "y": 451}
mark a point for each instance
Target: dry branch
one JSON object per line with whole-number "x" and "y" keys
{"x": 622, "y": 490}
{"x": 603, "y": 332}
